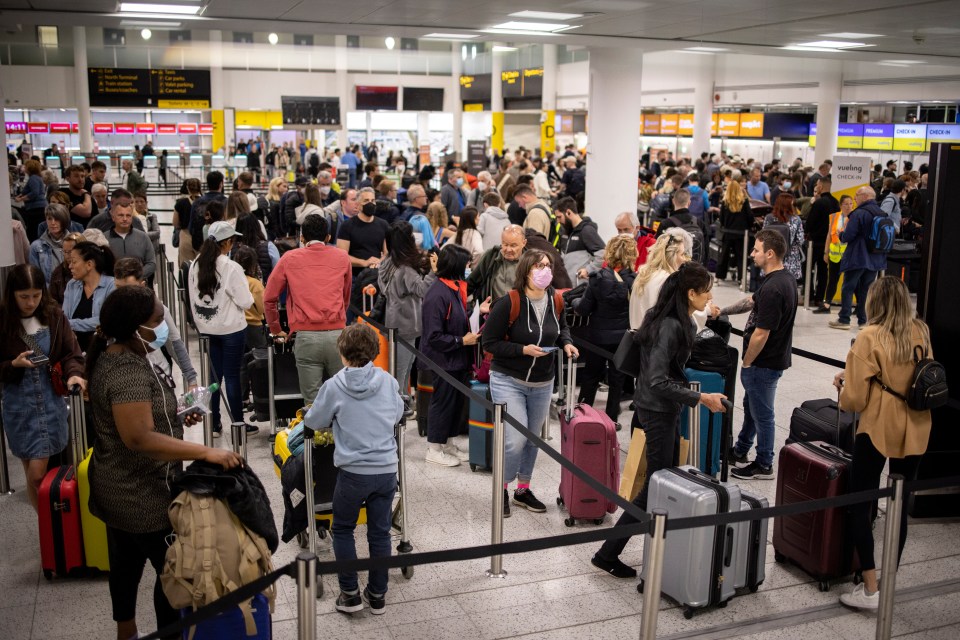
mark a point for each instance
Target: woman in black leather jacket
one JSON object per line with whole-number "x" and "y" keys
{"x": 666, "y": 337}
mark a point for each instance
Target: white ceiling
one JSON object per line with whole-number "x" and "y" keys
{"x": 926, "y": 28}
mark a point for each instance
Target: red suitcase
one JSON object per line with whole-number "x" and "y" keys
{"x": 588, "y": 438}
{"x": 815, "y": 540}
{"x": 61, "y": 541}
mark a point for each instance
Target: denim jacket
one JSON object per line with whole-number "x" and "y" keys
{"x": 45, "y": 255}
{"x": 71, "y": 298}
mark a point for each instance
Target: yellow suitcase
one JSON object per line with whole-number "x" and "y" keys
{"x": 94, "y": 530}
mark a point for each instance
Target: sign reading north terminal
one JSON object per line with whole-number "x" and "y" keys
{"x": 147, "y": 87}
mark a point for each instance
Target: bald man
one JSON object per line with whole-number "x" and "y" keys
{"x": 495, "y": 273}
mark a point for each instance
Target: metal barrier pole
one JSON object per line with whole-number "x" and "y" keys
{"x": 404, "y": 545}
{"x": 205, "y": 383}
{"x": 693, "y": 431}
{"x": 172, "y": 300}
{"x": 651, "y": 586}
{"x": 746, "y": 257}
{"x": 182, "y": 318}
{"x": 160, "y": 274}
{"x": 272, "y": 407}
{"x": 808, "y": 276}
{"x": 238, "y": 435}
{"x": 5, "y": 488}
{"x": 308, "y": 488}
{"x": 496, "y": 520}
{"x": 307, "y": 595}
{"x": 889, "y": 561}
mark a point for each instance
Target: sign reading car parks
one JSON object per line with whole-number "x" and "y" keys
{"x": 164, "y": 88}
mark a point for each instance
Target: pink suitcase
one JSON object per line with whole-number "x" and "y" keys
{"x": 588, "y": 438}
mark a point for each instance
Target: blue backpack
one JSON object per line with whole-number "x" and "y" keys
{"x": 883, "y": 231}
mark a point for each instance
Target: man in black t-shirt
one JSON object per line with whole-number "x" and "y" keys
{"x": 767, "y": 344}
{"x": 82, "y": 206}
{"x": 364, "y": 238}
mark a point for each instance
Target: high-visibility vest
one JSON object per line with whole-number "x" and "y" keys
{"x": 837, "y": 225}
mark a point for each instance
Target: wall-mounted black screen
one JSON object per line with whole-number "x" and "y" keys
{"x": 370, "y": 98}
{"x": 418, "y": 99}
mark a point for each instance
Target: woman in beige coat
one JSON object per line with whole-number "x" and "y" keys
{"x": 888, "y": 428}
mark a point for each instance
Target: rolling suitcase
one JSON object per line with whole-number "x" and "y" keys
{"x": 698, "y": 564}
{"x": 424, "y": 394}
{"x": 230, "y": 625}
{"x": 61, "y": 541}
{"x": 822, "y": 421}
{"x": 711, "y": 424}
{"x": 814, "y": 541}
{"x": 481, "y": 429}
{"x": 588, "y": 438}
{"x": 93, "y": 529}
{"x": 751, "y": 551}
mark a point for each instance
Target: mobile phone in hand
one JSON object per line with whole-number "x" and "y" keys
{"x": 38, "y": 359}
{"x": 548, "y": 349}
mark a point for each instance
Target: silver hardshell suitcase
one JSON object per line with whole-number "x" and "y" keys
{"x": 698, "y": 564}
{"x": 751, "y": 551}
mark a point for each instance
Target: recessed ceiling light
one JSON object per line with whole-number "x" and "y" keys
{"x": 156, "y": 25}
{"x": 515, "y": 25}
{"x": 143, "y": 7}
{"x": 835, "y": 44}
{"x": 903, "y": 61}
{"x": 545, "y": 15}
{"x": 450, "y": 36}
{"x": 851, "y": 36}
{"x": 500, "y": 48}
{"x": 390, "y": 41}
{"x": 694, "y": 53}
{"x": 797, "y": 47}
{"x": 146, "y": 34}
{"x": 706, "y": 49}
{"x": 273, "y": 38}
{"x": 519, "y": 32}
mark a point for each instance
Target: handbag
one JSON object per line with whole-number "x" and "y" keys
{"x": 627, "y": 357}
{"x": 709, "y": 353}
{"x": 56, "y": 369}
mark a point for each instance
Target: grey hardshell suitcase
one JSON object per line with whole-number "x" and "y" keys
{"x": 751, "y": 546}
{"x": 698, "y": 564}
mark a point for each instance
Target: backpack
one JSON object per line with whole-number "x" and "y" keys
{"x": 772, "y": 223}
{"x": 883, "y": 232}
{"x": 661, "y": 205}
{"x": 696, "y": 204}
{"x": 699, "y": 254}
{"x": 554, "y": 237}
{"x": 928, "y": 386}
{"x": 212, "y": 554}
{"x": 482, "y": 372}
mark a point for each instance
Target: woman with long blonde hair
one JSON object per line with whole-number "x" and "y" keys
{"x": 666, "y": 255}
{"x": 735, "y": 219}
{"x": 879, "y": 370}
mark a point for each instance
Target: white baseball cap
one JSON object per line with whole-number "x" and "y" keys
{"x": 221, "y": 231}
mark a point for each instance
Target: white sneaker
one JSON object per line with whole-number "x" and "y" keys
{"x": 859, "y": 599}
{"x": 453, "y": 450}
{"x": 442, "y": 458}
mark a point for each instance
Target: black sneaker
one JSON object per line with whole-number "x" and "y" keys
{"x": 614, "y": 567}
{"x": 735, "y": 458}
{"x": 822, "y": 309}
{"x": 250, "y": 428}
{"x": 506, "y": 504}
{"x": 526, "y": 499}
{"x": 377, "y": 604}
{"x": 347, "y": 603}
{"x": 753, "y": 471}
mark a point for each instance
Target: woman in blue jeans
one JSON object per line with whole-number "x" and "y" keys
{"x": 219, "y": 295}
{"x": 523, "y": 332}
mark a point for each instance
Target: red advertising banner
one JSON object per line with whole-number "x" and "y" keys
{"x": 186, "y": 127}
{"x": 206, "y": 128}
{"x": 146, "y": 127}
{"x": 166, "y": 128}
{"x": 103, "y": 127}
{"x": 60, "y": 127}
{"x": 38, "y": 127}
{"x": 76, "y": 127}
{"x": 125, "y": 127}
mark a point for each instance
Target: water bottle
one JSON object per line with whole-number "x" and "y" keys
{"x": 197, "y": 400}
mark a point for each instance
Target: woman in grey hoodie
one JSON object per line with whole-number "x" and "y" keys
{"x": 405, "y": 276}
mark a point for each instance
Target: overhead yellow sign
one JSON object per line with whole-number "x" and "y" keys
{"x": 183, "y": 104}
{"x": 473, "y": 106}
{"x": 510, "y": 77}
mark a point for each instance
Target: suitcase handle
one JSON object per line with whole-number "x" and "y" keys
{"x": 728, "y": 548}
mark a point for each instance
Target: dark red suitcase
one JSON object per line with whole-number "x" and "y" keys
{"x": 814, "y": 541}
{"x": 61, "y": 541}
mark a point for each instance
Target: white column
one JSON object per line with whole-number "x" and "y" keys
{"x": 83, "y": 89}
{"x": 457, "y": 69}
{"x": 6, "y": 216}
{"x": 548, "y": 105}
{"x": 346, "y": 96}
{"x": 703, "y": 106}
{"x": 223, "y": 133}
{"x": 613, "y": 145}
{"x": 828, "y": 111}
{"x": 496, "y": 100}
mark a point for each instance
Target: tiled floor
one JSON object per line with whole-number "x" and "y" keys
{"x": 552, "y": 594}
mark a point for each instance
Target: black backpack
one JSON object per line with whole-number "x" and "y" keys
{"x": 693, "y": 228}
{"x": 928, "y": 387}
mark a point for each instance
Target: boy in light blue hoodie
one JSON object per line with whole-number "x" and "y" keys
{"x": 362, "y": 404}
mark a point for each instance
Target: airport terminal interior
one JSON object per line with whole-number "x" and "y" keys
{"x": 619, "y": 88}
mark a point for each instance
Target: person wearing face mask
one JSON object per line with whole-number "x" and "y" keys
{"x": 34, "y": 416}
{"x": 329, "y": 189}
{"x": 363, "y": 236}
{"x": 451, "y": 194}
{"x": 485, "y": 185}
{"x": 524, "y": 365}
{"x": 138, "y": 448}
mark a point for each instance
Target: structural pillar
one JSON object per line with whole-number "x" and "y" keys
{"x": 457, "y": 70}
{"x": 548, "y": 114}
{"x": 346, "y": 96}
{"x": 220, "y": 131}
{"x": 84, "y": 122}
{"x": 496, "y": 101}
{"x": 703, "y": 106}
{"x": 613, "y": 150}
{"x": 6, "y": 215}
{"x": 828, "y": 111}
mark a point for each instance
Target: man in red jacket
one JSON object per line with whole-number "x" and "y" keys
{"x": 317, "y": 281}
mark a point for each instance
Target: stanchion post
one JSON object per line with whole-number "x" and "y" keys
{"x": 182, "y": 318}
{"x": 307, "y": 595}
{"x": 651, "y": 585}
{"x": 308, "y": 489}
{"x": 404, "y": 545}
{"x": 891, "y": 550}
{"x": 205, "y": 383}
{"x": 496, "y": 520}
{"x": 238, "y": 435}
{"x": 5, "y": 488}
{"x": 808, "y": 276}
{"x": 746, "y": 257}
{"x": 272, "y": 406}
{"x": 161, "y": 274}
{"x": 693, "y": 457}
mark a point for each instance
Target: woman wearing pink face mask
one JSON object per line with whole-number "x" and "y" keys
{"x": 523, "y": 366}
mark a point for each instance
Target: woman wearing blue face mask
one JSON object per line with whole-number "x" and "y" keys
{"x": 138, "y": 448}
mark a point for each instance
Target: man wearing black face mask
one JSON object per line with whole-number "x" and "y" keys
{"x": 363, "y": 236}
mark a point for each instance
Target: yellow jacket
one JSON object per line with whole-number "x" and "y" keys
{"x": 895, "y": 430}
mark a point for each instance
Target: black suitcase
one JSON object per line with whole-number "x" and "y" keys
{"x": 816, "y": 421}
{"x": 286, "y": 382}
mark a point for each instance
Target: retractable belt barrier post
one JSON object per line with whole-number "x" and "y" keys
{"x": 693, "y": 431}
{"x": 404, "y": 545}
{"x": 205, "y": 383}
{"x": 891, "y": 548}
{"x": 746, "y": 258}
{"x": 160, "y": 273}
{"x": 808, "y": 277}
{"x": 651, "y": 586}
{"x": 308, "y": 489}
{"x": 5, "y": 488}
{"x": 307, "y": 595}
{"x": 496, "y": 517}
{"x": 238, "y": 435}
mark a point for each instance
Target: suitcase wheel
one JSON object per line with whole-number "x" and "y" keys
{"x": 779, "y": 557}
{"x": 559, "y": 501}
{"x": 48, "y": 574}
{"x": 640, "y": 587}
{"x": 302, "y": 540}
{"x": 407, "y": 572}
{"x": 598, "y": 521}
{"x": 473, "y": 467}
{"x": 688, "y": 612}
{"x": 857, "y": 577}
{"x": 722, "y": 605}
{"x": 824, "y": 586}
{"x": 569, "y": 522}
{"x": 422, "y": 430}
